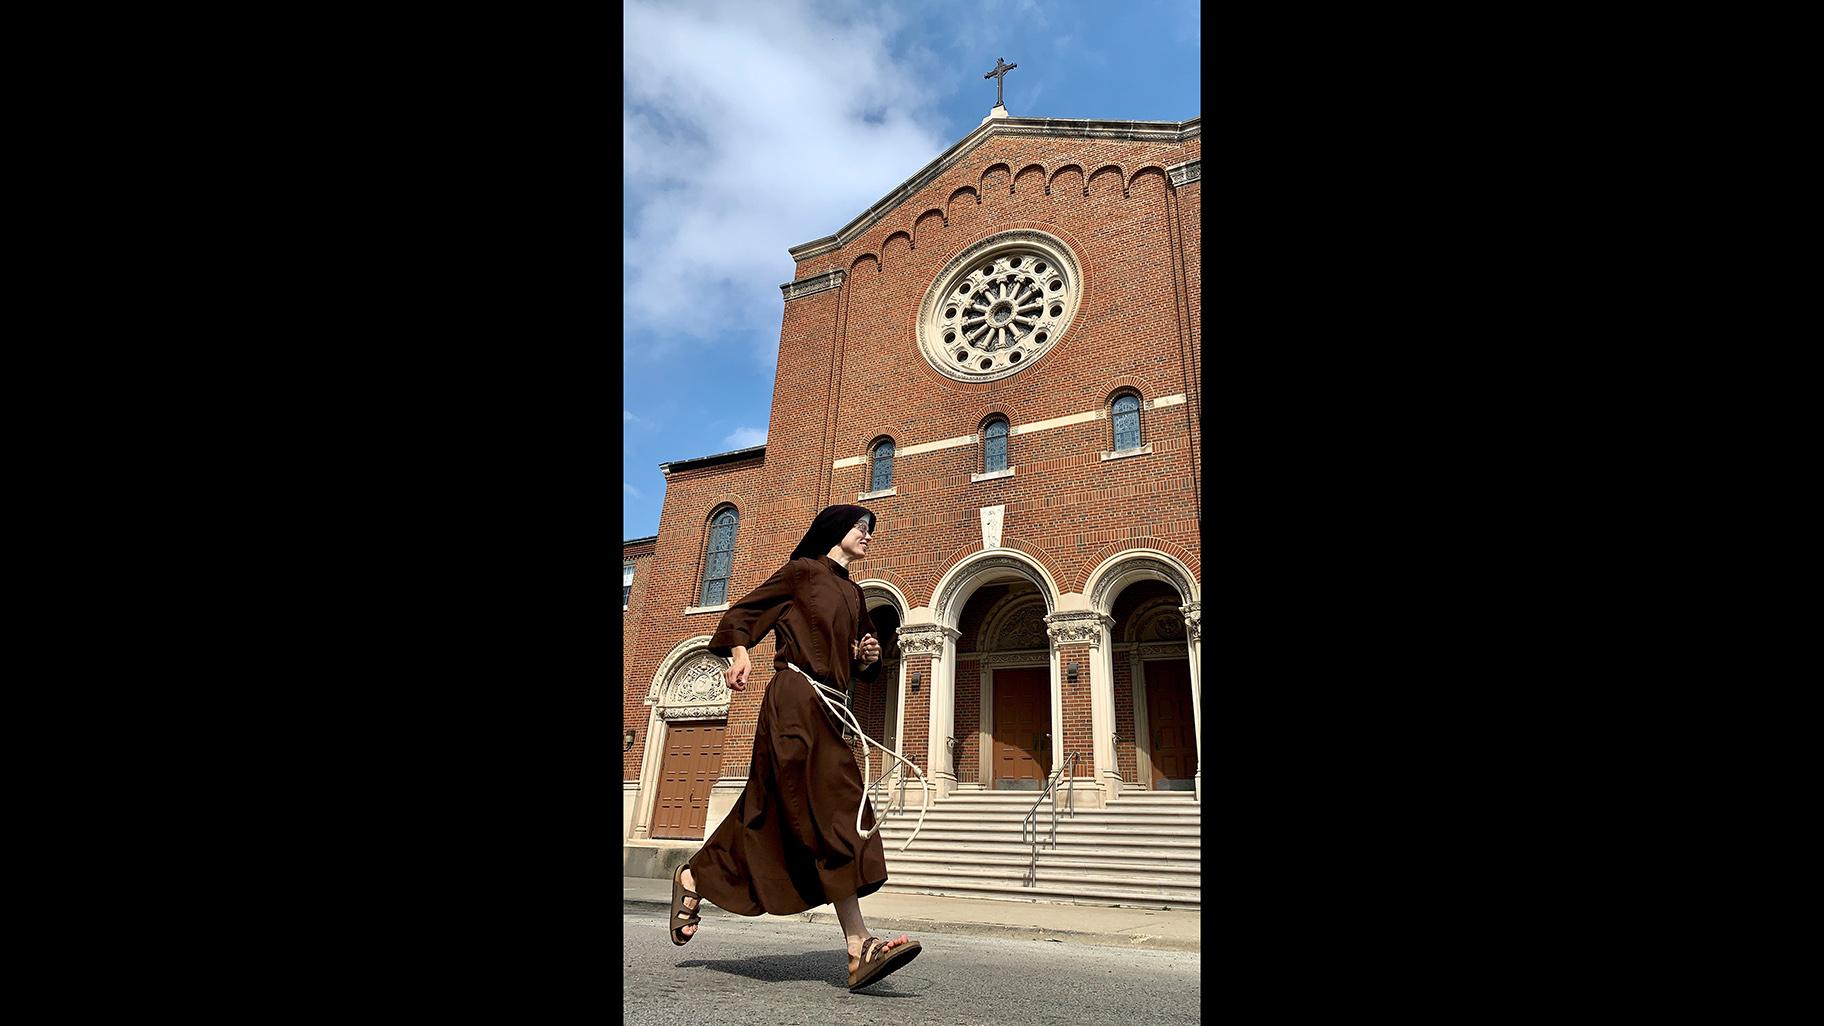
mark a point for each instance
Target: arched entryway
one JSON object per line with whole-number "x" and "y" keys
{"x": 1155, "y": 744}
{"x": 1015, "y": 585}
{"x": 685, "y": 732}
{"x": 1155, "y": 710}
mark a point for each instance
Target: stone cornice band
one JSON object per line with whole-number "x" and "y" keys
{"x": 812, "y": 285}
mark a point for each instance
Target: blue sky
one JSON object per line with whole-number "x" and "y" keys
{"x": 754, "y": 127}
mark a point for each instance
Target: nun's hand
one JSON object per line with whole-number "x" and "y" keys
{"x": 868, "y": 652}
{"x": 739, "y": 668}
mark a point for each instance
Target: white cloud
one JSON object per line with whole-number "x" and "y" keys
{"x": 751, "y": 128}
{"x": 746, "y": 437}
{"x": 631, "y": 490}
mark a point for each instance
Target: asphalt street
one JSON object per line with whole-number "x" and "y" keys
{"x": 791, "y": 973}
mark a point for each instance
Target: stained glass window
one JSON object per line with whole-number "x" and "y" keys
{"x": 994, "y": 446}
{"x": 883, "y": 467}
{"x": 1127, "y": 423}
{"x": 721, "y": 556}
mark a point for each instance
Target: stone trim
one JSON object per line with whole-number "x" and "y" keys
{"x": 693, "y": 712}
{"x": 1145, "y": 450}
{"x": 1020, "y": 657}
{"x": 1124, "y": 568}
{"x": 973, "y": 567}
{"x": 694, "y": 610}
{"x": 1193, "y": 620}
{"x": 1186, "y": 173}
{"x": 1013, "y": 431}
{"x": 993, "y": 475}
{"x": 883, "y": 493}
{"x": 812, "y": 285}
{"x": 1068, "y": 128}
{"x": 1056, "y": 422}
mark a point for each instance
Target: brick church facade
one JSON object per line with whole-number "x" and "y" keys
{"x": 1001, "y": 358}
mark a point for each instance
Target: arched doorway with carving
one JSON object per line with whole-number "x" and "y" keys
{"x": 686, "y": 727}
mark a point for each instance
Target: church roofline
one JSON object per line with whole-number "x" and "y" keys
{"x": 710, "y": 461}
{"x": 631, "y": 542}
{"x": 1139, "y": 131}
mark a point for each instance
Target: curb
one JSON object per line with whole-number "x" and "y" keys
{"x": 915, "y": 926}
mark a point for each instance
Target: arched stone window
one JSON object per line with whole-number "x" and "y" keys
{"x": 881, "y": 477}
{"x": 719, "y": 557}
{"x": 1126, "y": 415}
{"x": 994, "y": 445}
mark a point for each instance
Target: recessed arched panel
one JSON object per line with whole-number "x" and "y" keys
{"x": 1107, "y": 179}
{"x": 897, "y": 247}
{"x": 995, "y": 178}
{"x": 928, "y": 222}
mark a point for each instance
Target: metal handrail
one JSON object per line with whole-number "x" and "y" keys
{"x": 1068, "y": 771}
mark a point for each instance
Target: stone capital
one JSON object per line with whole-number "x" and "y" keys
{"x": 1193, "y": 620}
{"x": 925, "y": 639}
{"x": 1077, "y": 628}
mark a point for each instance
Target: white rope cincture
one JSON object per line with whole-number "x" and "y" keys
{"x": 838, "y": 704}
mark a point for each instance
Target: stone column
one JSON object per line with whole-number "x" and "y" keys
{"x": 927, "y": 641}
{"x": 1193, "y": 638}
{"x": 1087, "y": 627}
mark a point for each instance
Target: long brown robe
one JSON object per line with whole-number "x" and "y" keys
{"x": 790, "y": 842}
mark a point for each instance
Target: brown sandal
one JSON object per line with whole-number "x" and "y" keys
{"x": 678, "y": 894}
{"x": 877, "y": 962}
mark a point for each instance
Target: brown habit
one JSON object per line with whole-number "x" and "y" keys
{"x": 790, "y": 842}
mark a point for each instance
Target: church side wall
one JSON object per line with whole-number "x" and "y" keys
{"x": 673, "y": 579}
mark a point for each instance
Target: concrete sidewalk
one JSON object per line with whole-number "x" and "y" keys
{"x": 890, "y": 911}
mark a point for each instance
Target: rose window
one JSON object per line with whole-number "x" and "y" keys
{"x": 999, "y": 306}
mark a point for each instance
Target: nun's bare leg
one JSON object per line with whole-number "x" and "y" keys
{"x": 854, "y": 930}
{"x": 690, "y": 883}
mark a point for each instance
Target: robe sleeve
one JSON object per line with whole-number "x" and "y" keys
{"x": 748, "y": 620}
{"x": 870, "y": 673}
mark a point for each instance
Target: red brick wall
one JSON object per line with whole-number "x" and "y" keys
{"x": 968, "y": 720}
{"x": 1077, "y": 734}
{"x": 1125, "y": 756}
{"x": 640, "y": 556}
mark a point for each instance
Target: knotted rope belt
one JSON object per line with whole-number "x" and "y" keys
{"x": 837, "y": 703}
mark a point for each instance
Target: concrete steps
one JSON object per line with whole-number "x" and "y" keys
{"x": 1078, "y": 888}
{"x": 950, "y": 860}
{"x": 1144, "y": 851}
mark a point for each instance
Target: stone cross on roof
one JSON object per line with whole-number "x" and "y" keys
{"x": 1001, "y": 68}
